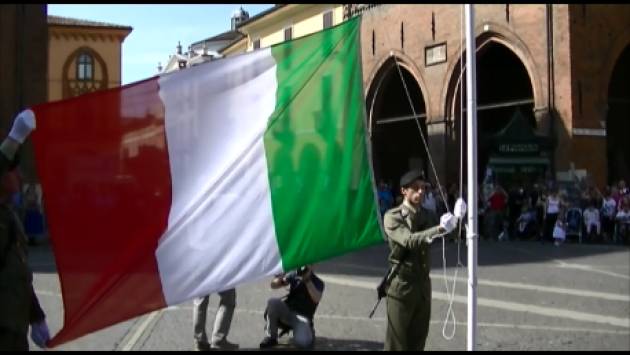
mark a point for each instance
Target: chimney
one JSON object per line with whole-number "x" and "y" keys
{"x": 179, "y": 48}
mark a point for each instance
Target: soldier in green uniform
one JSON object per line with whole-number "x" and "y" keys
{"x": 410, "y": 229}
{"x": 19, "y": 306}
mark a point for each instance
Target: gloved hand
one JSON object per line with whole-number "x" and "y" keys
{"x": 40, "y": 334}
{"x": 23, "y": 125}
{"x": 448, "y": 222}
{"x": 460, "y": 208}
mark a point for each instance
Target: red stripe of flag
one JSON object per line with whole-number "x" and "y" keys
{"x": 103, "y": 164}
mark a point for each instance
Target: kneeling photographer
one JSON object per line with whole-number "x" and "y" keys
{"x": 294, "y": 311}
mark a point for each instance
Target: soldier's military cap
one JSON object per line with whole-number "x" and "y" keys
{"x": 410, "y": 177}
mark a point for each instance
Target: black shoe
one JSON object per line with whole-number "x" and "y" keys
{"x": 223, "y": 345}
{"x": 201, "y": 346}
{"x": 268, "y": 342}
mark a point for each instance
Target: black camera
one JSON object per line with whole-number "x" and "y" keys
{"x": 302, "y": 271}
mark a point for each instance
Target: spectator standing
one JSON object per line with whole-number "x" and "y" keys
{"x": 552, "y": 209}
{"x": 609, "y": 209}
{"x": 385, "y": 197}
{"x": 429, "y": 201}
{"x": 222, "y": 322}
{"x": 497, "y": 203}
{"x": 516, "y": 200}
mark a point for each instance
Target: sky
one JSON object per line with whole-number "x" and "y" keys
{"x": 157, "y": 29}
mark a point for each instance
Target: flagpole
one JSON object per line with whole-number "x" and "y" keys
{"x": 471, "y": 232}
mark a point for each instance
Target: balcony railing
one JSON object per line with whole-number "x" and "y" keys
{"x": 351, "y": 10}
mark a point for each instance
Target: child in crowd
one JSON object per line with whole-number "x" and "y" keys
{"x": 559, "y": 232}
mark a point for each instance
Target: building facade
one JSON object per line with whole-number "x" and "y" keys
{"x": 288, "y": 21}
{"x": 562, "y": 66}
{"x": 84, "y": 56}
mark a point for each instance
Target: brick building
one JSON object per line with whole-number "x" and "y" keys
{"x": 566, "y": 68}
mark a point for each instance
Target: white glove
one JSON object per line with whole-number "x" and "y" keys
{"x": 40, "y": 334}
{"x": 448, "y": 222}
{"x": 23, "y": 125}
{"x": 460, "y": 208}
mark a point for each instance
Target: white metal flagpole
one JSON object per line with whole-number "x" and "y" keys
{"x": 472, "y": 230}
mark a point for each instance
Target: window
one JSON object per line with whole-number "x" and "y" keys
{"x": 85, "y": 67}
{"x": 288, "y": 33}
{"x": 256, "y": 44}
{"x": 328, "y": 19}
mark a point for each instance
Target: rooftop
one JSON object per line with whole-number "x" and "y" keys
{"x": 67, "y": 21}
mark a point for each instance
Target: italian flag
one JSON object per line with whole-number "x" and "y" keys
{"x": 207, "y": 178}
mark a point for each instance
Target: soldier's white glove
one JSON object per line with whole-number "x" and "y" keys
{"x": 448, "y": 222}
{"x": 40, "y": 334}
{"x": 23, "y": 125}
{"x": 460, "y": 208}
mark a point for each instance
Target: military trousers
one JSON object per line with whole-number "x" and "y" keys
{"x": 222, "y": 320}
{"x": 408, "y": 314}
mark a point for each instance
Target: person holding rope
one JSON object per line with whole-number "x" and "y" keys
{"x": 410, "y": 229}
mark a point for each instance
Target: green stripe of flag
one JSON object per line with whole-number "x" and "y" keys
{"x": 322, "y": 191}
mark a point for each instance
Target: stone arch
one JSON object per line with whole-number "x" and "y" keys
{"x": 381, "y": 70}
{"x": 618, "y": 45}
{"x": 68, "y": 90}
{"x": 396, "y": 144}
{"x": 616, "y": 113}
{"x": 496, "y": 39}
{"x": 498, "y": 34}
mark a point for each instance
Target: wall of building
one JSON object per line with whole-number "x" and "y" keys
{"x": 304, "y": 19}
{"x": 23, "y": 66}
{"x": 599, "y": 33}
{"x": 238, "y": 48}
{"x": 520, "y": 28}
{"x": 524, "y": 35}
{"x": 581, "y": 48}
{"x": 65, "y": 41}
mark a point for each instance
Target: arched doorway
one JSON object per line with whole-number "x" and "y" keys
{"x": 395, "y": 138}
{"x": 504, "y": 88}
{"x": 618, "y": 120}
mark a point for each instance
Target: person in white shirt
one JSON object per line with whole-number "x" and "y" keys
{"x": 609, "y": 208}
{"x": 591, "y": 219}
{"x": 552, "y": 209}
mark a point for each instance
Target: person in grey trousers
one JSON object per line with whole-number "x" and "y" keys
{"x": 222, "y": 322}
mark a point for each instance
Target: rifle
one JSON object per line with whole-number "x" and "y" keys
{"x": 381, "y": 289}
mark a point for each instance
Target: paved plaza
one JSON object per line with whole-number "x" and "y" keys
{"x": 531, "y": 296}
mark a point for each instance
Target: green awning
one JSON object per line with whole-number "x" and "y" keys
{"x": 518, "y": 138}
